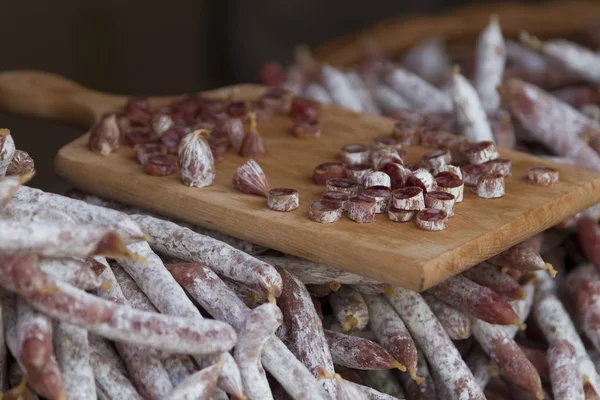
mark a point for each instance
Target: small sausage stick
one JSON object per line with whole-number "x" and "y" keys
{"x": 470, "y": 114}
{"x": 73, "y": 356}
{"x": 456, "y": 324}
{"x": 514, "y": 365}
{"x": 109, "y": 352}
{"x": 82, "y": 212}
{"x": 7, "y": 150}
{"x": 75, "y": 272}
{"x": 358, "y": 353}
{"x": 196, "y": 163}
{"x": 60, "y": 239}
{"x": 388, "y": 100}
{"x": 552, "y": 122}
{"x": 35, "y": 352}
{"x": 305, "y": 330}
{"x": 542, "y": 176}
{"x": 317, "y": 92}
{"x": 490, "y": 276}
{"x": 182, "y": 243}
{"x": 444, "y": 359}
{"x": 428, "y": 59}
{"x": 222, "y": 303}
{"x": 283, "y": 199}
{"x": 122, "y": 323}
{"x": 21, "y": 164}
{"x": 538, "y": 359}
{"x": 523, "y": 257}
{"x": 340, "y": 88}
{"x": 475, "y": 300}
{"x": 392, "y": 334}
{"x": 260, "y": 325}
{"x": 418, "y": 92}
{"x": 425, "y": 390}
{"x": 349, "y": 309}
{"x": 479, "y": 364}
{"x": 9, "y": 186}
{"x": 490, "y": 58}
{"x": 316, "y": 274}
{"x": 178, "y": 366}
{"x": 574, "y": 57}
{"x": 360, "y": 88}
{"x": 384, "y": 381}
{"x": 198, "y": 386}
{"x": 111, "y": 382}
{"x": 164, "y": 292}
{"x": 555, "y": 323}
{"x": 565, "y": 376}
{"x": 587, "y": 295}
{"x": 589, "y": 237}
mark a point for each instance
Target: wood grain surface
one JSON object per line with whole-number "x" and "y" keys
{"x": 398, "y": 253}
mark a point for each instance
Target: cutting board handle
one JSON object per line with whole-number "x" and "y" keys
{"x": 47, "y": 95}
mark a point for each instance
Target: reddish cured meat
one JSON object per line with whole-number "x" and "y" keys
{"x": 329, "y": 170}
{"x": 252, "y": 145}
{"x": 542, "y": 176}
{"x": 200, "y": 385}
{"x": 105, "y": 135}
{"x": 357, "y": 172}
{"x": 456, "y": 324}
{"x": 278, "y": 99}
{"x": 397, "y": 215}
{"x": 502, "y": 129}
{"x": 392, "y": 334}
{"x": 452, "y": 376}
{"x": 436, "y": 138}
{"x": 382, "y": 156}
{"x": 473, "y": 172}
{"x": 336, "y": 198}
{"x": 500, "y": 167}
{"x": 397, "y": 173}
{"x": 349, "y": 309}
{"x": 539, "y": 360}
{"x": 250, "y": 178}
{"x": 218, "y": 147}
{"x": 170, "y": 139}
{"x": 195, "y": 159}
{"x": 271, "y": 73}
{"x": 441, "y": 200}
{"x": 421, "y": 178}
{"x": 481, "y": 152}
{"x": 362, "y": 209}
{"x": 490, "y": 58}
{"x": 108, "y": 319}
{"x": 305, "y": 330}
{"x": 140, "y": 136}
{"x": 381, "y": 195}
{"x": 306, "y": 128}
{"x": 147, "y": 149}
{"x": 138, "y": 110}
{"x": 506, "y": 353}
{"x": 358, "y": 353}
{"x": 325, "y": 212}
{"x": 524, "y": 256}
{"x": 377, "y": 178}
{"x": 451, "y": 183}
{"x": 409, "y": 198}
{"x": 353, "y": 154}
{"x": 283, "y": 199}
{"x": 21, "y": 164}
{"x": 302, "y": 107}
{"x": 491, "y": 277}
{"x": 490, "y": 186}
{"x": 385, "y": 142}
{"x": 343, "y": 185}
{"x": 436, "y": 159}
{"x": 589, "y": 237}
{"x": 552, "y": 122}
{"x": 432, "y": 219}
{"x": 407, "y": 133}
{"x": 476, "y": 300}
{"x": 161, "y": 165}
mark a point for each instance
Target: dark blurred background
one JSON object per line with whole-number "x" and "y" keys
{"x": 165, "y": 47}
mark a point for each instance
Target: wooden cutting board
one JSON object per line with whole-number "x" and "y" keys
{"x": 398, "y": 253}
